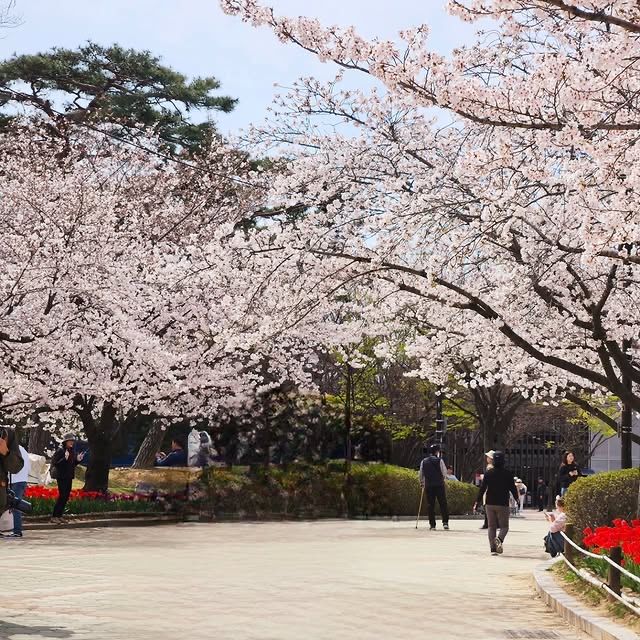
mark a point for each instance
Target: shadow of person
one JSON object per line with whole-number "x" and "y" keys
{"x": 10, "y": 629}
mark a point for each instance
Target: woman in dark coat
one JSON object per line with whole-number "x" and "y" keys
{"x": 65, "y": 461}
{"x": 497, "y": 484}
{"x": 569, "y": 471}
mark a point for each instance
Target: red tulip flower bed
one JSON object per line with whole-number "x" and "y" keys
{"x": 623, "y": 535}
{"x": 43, "y": 499}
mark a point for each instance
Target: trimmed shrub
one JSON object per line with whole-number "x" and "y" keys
{"x": 598, "y": 500}
{"x": 386, "y": 490}
{"x": 305, "y": 490}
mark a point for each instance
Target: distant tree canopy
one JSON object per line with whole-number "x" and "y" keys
{"x": 128, "y": 89}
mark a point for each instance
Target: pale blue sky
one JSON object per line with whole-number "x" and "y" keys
{"x": 196, "y": 38}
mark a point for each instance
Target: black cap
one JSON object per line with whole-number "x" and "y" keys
{"x": 434, "y": 448}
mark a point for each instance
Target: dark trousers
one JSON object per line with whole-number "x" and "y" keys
{"x": 439, "y": 494}
{"x": 64, "y": 489}
{"x": 18, "y": 488}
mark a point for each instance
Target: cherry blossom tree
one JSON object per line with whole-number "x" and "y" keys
{"x": 122, "y": 289}
{"x": 493, "y": 194}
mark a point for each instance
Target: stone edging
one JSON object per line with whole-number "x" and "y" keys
{"x": 89, "y": 523}
{"x": 573, "y": 611}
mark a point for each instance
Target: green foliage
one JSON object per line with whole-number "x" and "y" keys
{"x": 460, "y": 412}
{"x": 608, "y": 405}
{"x": 601, "y": 569}
{"x": 387, "y": 405}
{"x": 597, "y": 500}
{"x": 44, "y": 506}
{"x": 126, "y": 88}
{"x": 318, "y": 491}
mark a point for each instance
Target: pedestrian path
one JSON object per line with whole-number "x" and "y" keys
{"x": 277, "y": 581}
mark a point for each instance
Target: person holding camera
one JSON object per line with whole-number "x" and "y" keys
{"x": 10, "y": 462}
{"x": 569, "y": 471}
{"x": 553, "y": 541}
{"x": 19, "y": 486}
{"x": 63, "y": 465}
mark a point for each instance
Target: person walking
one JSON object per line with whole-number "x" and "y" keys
{"x": 19, "y": 486}
{"x": 65, "y": 461}
{"x": 497, "y": 485}
{"x": 541, "y": 493}
{"x": 433, "y": 473}
{"x": 522, "y": 493}
{"x": 488, "y": 458}
{"x": 569, "y": 472}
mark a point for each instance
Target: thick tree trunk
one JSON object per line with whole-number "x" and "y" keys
{"x": 100, "y": 437}
{"x": 149, "y": 447}
{"x": 38, "y": 440}
{"x": 495, "y": 407}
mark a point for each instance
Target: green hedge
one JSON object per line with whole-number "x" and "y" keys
{"x": 321, "y": 491}
{"x": 597, "y": 500}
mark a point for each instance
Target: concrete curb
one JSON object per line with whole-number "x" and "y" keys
{"x": 573, "y": 611}
{"x": 102, "y": 522}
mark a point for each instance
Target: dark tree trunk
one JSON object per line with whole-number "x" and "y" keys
{"x": 38, "y": 440}
{"x": 149, "y": 447}
{"x": 97, "y": 476}
{"x": 496, "y": 407}
{"x": 100, "y": 434}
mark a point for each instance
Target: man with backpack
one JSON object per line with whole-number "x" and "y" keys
{"x": 433, "y": 472}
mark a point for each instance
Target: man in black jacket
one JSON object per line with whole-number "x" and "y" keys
{"x": 497, "y": 484}
{"x": 433, "y": 472}
{"x": 10, "y": 462}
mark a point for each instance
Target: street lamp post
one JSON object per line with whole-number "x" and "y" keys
{"x": 441, "y": 424}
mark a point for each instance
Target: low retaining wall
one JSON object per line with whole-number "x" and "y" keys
{"x": 574, "y": 611}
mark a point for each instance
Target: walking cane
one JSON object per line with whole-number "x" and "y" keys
{"x": 420, "y": 507}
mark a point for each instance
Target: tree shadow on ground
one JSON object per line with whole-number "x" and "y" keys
{"x": 10, "y": 629}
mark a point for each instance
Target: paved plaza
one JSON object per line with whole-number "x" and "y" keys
{"x": 276, "y": 581}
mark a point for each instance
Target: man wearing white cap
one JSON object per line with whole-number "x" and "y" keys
{"x": 522, "y": 492}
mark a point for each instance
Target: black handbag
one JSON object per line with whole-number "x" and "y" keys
{"x": 554, "y": 543}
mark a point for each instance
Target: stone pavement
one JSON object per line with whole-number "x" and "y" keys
{"x": 276, "y": 581}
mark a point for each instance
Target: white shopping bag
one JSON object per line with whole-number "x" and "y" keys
{"x": 193, "y": 447}
{"x": 6, "y": 523}
{"x": 38, "y": 470}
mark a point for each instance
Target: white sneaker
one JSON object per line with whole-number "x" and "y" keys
{"x": 498, "y": 544}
